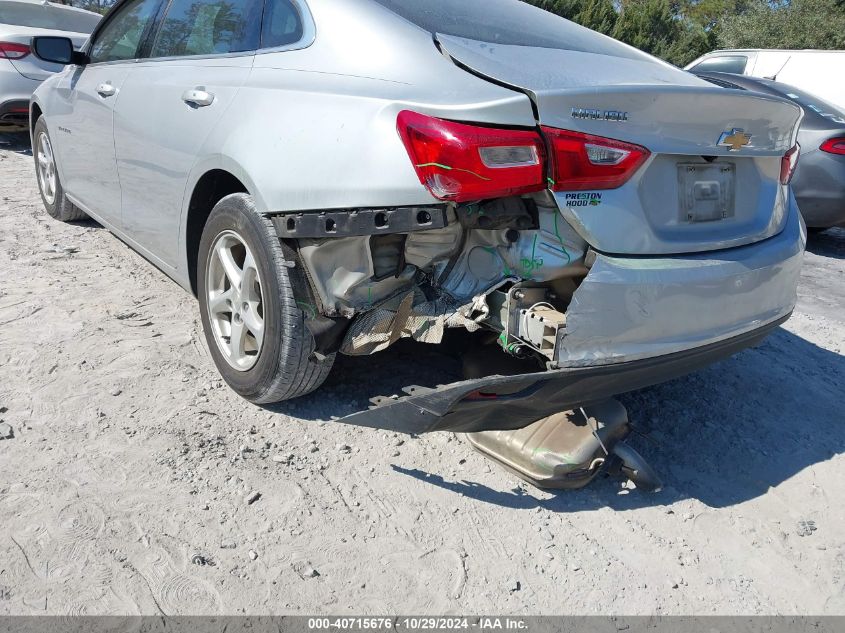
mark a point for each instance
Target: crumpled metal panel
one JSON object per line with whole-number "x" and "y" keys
{"x": 553, "y": 251}
{"x": 633, "y": 308}
{"x": 408, "y": 316}
{"x": 342, "y": 270}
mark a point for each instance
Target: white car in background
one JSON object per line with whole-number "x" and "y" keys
{"x": 817, "y": 72}
{"x": 21, "y": 72}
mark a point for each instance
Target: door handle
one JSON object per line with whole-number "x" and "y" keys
{"x": 198, "y": 98}
{"x": 106, "y": 90}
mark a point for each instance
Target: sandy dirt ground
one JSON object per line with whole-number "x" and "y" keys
{"x": 124, "y": 487}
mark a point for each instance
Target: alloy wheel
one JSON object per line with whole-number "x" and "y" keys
{"x": 46, "y": 168}
{"x": 235, "y": 301}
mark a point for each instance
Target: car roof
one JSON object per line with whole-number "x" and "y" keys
{"x": 58, "y": 5}
{"x": 818, "y": 114}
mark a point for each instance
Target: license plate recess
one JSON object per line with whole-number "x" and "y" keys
{"x": 706, "y": 191}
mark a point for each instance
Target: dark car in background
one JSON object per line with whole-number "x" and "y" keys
{"x": 819, "y": 181}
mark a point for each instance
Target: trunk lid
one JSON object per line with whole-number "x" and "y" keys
{"x": 695, "y": 193}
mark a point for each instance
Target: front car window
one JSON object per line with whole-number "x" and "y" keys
{"x": 209, "y": 27}
{"x": 734, "y": 64}
{"x": 120, "y": 38}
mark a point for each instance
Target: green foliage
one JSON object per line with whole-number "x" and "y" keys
{"x": 646, "y": 24}
{"x": 97, "y": 6}
{"x": 795, "y": 24}
{"x": 654, "y": 26}
{"x": 600, "y": 15}
{"x": 681, "y": 30}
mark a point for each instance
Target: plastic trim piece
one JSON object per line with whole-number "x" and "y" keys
{"x": 359, "y": 222}
{"x": 502, "y": 403}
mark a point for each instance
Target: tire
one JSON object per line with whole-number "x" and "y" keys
{"x": 283, "y": 365}
{"x": 55, "y": 202}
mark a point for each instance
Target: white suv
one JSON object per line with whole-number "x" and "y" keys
{"x": 20, "y": 71}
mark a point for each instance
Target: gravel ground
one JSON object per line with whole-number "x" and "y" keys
{"x": 128, "y": 485}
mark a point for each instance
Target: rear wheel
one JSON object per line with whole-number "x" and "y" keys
{"x": 52, "y": 193}
{"x": 254, "y": 327}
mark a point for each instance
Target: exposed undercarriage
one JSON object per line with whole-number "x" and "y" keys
{"x": 508, "y": 266}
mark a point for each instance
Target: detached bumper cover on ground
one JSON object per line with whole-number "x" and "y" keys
{"x": 633, "y": 324}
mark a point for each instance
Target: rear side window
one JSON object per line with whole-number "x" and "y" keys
{"x": 121, "y": 36}
{"x": 725, "y": 64}
{"x": 507, "y": 22}
{"x": 282, "y": 24}
{"x": 209, "y": 27}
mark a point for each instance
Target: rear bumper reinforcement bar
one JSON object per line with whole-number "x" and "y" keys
{"x": 499, "y": 403}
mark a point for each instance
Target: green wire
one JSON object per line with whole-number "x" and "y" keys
{"x": 562, "y": 245}
{"x": 448, "y": 168}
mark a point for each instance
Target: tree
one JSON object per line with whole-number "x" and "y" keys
{"x": 646, "y": 24}
{"x": 654, "y": 26}
{"x": 568, "y": 9}
{"x": 786, "y": 24}
{"x": 599, "y": 15}
{"x": 98, "y": 6}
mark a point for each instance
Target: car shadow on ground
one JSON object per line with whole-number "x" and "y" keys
{"x": 723, "y": 435}
{"x": 830, "y": 243}
{"x": 16, "y": 142}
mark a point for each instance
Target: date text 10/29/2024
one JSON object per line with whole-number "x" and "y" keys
{"x": 418, "y": 624}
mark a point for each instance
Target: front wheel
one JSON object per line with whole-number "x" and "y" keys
{"x": 254, "y": 327}
{"x": 53, "y": 196}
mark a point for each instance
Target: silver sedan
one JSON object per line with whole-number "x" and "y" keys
{"x": 331, "y": 177}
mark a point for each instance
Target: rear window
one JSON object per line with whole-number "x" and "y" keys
{"x": 47, "y": 16}
{"x": 812, "y": 102}
{"x": 506, "y": 22}
{"x": 725, "y": 64}
{"x": 282, "y": 24}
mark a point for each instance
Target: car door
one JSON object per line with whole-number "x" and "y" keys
{"x": 83, "y": 122}
{"x": 170, "y": 103}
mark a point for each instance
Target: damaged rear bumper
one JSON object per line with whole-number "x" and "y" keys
{"x": 630, "y": 308}
{"x": 500, "y": 403}
{"x": 633, "y": 323}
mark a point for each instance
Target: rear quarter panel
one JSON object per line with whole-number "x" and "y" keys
{"x": 315, "y": 128}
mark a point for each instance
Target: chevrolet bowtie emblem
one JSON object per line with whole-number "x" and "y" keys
{"x": 735, "y": 139}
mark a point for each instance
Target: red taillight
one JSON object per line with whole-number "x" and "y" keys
{"x": 583, "y": 161}
{"x": 834, "y": 146}
{"x": 461, "y": 162}
{"x": 788, "y": 164}
{"x": 13, "y": 50}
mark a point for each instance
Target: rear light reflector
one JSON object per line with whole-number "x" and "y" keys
{"x": 788, "y": 164}
{"x": 13, "y": 50}
{"x": 834, "y": 146}
{"x": 583, "y": 161}
{"x": 461, "y": 162}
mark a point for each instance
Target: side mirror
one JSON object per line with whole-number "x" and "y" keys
{"x": 57, "y": 50}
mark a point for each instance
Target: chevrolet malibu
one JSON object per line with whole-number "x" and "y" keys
{"x": 331, "y": 177}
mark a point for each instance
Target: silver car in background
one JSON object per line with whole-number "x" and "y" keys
{"x": 21, "y": 72}
{"x": 333, "y": 177}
